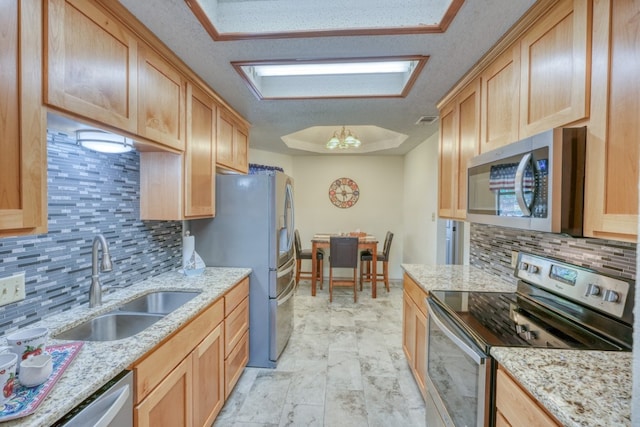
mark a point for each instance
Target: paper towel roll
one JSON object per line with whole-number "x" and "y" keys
{"x": 188, "y": 249}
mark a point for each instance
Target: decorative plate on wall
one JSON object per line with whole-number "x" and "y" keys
{"x": 344, "y": 192}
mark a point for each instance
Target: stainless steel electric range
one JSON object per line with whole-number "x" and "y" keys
{"x": 556, "y": 305}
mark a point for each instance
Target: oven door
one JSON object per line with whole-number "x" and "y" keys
{"x": 458, "y": 374}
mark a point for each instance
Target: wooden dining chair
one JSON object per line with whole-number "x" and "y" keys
{"x": 305, "y": 254}
{"x": 343, "y": 254}
{"x": 366, "y": 273}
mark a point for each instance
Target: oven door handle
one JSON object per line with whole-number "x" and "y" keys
{"x": 519, "y": 187}
{"x": 434, "y": 314}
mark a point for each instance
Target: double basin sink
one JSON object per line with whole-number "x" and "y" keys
{"x": 130, "y": 318}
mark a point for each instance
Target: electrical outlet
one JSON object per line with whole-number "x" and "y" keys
{"x": 514, "y": 259}
{"x": 12, "y": 289}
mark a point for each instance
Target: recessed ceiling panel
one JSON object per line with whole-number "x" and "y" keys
{"x": 343, "y": 78}
{"x": 242, "y": 19}
{"x": 373, "y": 138}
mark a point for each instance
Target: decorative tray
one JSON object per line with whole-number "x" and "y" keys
{"x": 25, "y": 400}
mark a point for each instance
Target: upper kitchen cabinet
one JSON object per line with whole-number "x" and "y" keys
{"x": 177, "y": 187}
{"x": 500, "y": 100}
{"x": 232, "y": 143}
{"x": 161, "y": 100}
{"x": 613, "y": 140}
{"x": 91, "y": 64}
{"x": 459, "y": 142}
{"x": 200, "y": 154}
{"x": 23, "y": 163}
{"x": 554, "y": 68}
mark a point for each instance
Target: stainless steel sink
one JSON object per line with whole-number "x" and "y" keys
{"x": 160, "y": 302}
{"x": 111, "y": 326}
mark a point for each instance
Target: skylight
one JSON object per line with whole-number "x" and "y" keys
{"x": 345, "y": 78}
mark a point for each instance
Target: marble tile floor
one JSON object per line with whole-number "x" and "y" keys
{"x": 343, "y": 366}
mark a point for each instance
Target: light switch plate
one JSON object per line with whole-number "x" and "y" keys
{"x": 12, "y": 289}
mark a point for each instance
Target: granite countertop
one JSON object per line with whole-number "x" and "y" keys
{"x": 456, "y": 278}
{"x": 99, "y": 362}
{"x": 578, "y": 387}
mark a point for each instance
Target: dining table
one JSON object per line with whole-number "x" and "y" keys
{"x": 365, "y": 242}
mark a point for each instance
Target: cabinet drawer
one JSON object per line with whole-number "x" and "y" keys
{"x": 235, "y": 296}
{"x": 416, "y": 293}
{"x": 235, "y": 363}
{"x": 154, "y": 367}
{"x": 235, "y": 325}
{"x": 516, "y": 406}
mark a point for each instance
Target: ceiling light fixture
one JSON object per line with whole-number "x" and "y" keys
{"x": 343, "y": 140}
{"x": 103, "y": 142}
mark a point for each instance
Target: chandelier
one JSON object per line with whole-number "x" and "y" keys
{"x": 344, "y": 139}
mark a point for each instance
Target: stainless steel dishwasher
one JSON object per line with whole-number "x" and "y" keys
{"x": 111, "y": 406}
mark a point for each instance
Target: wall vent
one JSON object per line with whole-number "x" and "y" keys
{"x": 426, "y": 120}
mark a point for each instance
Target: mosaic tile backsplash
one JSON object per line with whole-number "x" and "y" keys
{"x": 89, "y": 193}
{"x": 491, "y": 247}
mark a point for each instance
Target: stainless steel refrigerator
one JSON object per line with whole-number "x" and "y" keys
{"x": 254, "y": 227}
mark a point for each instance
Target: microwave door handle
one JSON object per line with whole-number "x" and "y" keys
{"x": 519, "y": 180}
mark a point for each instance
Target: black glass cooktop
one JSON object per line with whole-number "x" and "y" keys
{"x": 510, "y": 320}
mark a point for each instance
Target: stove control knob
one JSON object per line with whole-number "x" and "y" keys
{"x": 528, "y": 335}
{"x": 523, "y": 266}
{"x": 610, "y": 296}
{"x": 592, "y": 290}
{"x": 533, "y": 269}
{"x": 521, "y": 329}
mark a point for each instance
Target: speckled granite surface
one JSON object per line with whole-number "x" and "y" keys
{"x": 580, "y": 388}
{"x": 98, "y": 362}
{"x": 456, "y": 278}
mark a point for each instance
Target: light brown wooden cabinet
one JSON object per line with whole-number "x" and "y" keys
{"x": 161, "y": 100}
{"x": 515, "y": 407}
{"x": 500, "y": 100}
{"x": 176, "y": 187}
{"x": 459, "y": 142}
{"x": 232, "y": 143}
{"x": 91, "y": 64}
{"x": 414, "y": 330}
{"x": 613, "y": 140}
{"x": 186, "y": 378}
{"x": 23, "y": 162}
{"x": 554, "y": 68}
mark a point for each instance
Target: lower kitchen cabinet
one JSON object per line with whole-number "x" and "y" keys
{"x": 515, "y": 407}
{"x": 414, "y": 330}
{"x": 185, "y": 380}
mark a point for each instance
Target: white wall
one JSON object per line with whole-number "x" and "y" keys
{"x": 378, "y": 210}
{"x": 268, "y": 158}
{"x": 423, "y": 232}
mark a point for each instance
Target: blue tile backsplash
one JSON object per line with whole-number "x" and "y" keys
{"x": 88, "y": 193}
{"x": 491, "y": 247}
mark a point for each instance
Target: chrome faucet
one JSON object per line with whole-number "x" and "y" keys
{"x": 95, "y": 291}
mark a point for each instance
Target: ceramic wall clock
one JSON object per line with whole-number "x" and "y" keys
{"x": 344, "y": 192}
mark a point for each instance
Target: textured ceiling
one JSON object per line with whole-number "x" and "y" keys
{"x": 477, "y": 26}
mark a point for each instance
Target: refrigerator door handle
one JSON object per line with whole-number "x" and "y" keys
{"x": 289, "y": 294}
{"x": 286, "y": 269}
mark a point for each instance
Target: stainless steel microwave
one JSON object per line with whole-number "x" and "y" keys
{"x": 534, "y": 184}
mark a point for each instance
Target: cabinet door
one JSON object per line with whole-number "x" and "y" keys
{"x": 447, "y": 160}
{"x": 91, "y": 63}
{"x": 468, "y": 142}
{"x": 500, "y": 100}
{"x": 611, "y": 201}
{"x": 224, "y": 143}
{"x": 241, "y": 146}
{"x": 169, "y": 404}
{"x": 208, "y": 378}
{"x": 161, "y": 100}
{"x": 200, "y": 155}
{"x": 23, "y": 162}
{"x": 408, "y": 328}
{"x": 554, "y": 68}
